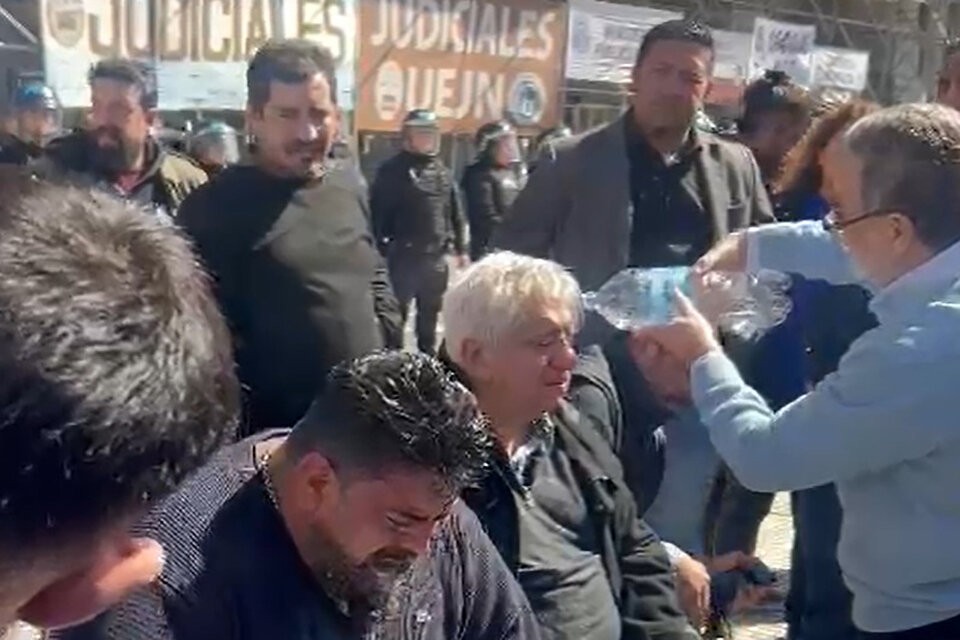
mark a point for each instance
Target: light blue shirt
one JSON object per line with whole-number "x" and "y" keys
{"x": 885, "y": 427}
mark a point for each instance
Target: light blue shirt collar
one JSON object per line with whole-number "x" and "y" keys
{"x": 916, "y": 286}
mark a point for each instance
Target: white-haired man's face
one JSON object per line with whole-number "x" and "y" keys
{"x": 528, "y": 371}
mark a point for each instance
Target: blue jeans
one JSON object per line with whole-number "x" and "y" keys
{"x": 818, "y": 605}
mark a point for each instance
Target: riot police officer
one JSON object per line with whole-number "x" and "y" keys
{"x": 492, "y": 182}
{"x": 215, "y": 147}
{"x": 543, "y": 143}
{"x": 417, "y": 222}
{"x": 36, "y": 118}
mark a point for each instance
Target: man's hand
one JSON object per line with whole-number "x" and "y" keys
{"x": 461, "y": 261}
{"x": 664, "y": 353}
{"x": 693, "y": 589}
{"x": 750, "y": 595}
{"x": 730, "y": 254}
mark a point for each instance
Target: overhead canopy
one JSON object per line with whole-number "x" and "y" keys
{"x": 14, "y": 36}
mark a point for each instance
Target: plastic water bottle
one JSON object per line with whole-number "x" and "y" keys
{"x": 739, "y": 303}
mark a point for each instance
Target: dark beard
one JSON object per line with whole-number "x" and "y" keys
{"x": 368, "y": 589}
{"x": 113, "y": 160}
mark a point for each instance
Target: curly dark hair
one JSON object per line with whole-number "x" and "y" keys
{"x": 396, "y": 408}
{"x": 801, "y": 168}
{"x": 116, "y": 369}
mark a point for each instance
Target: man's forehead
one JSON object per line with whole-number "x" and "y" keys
{"x": 316, "y": 89}
{"x": 115, "y": 86}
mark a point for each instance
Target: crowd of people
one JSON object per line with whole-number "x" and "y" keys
{"x": 210, "y": 430}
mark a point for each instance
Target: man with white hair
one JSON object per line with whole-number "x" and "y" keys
{"x": 555, "y": 505}
{"x": 884, "y": 425}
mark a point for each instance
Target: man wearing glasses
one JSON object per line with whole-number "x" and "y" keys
{"x": 884, "y": 425}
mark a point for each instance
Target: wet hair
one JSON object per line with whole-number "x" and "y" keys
{"x": 775, "y": 92}
{"x": 910, "y": 159}
{"x": 116, "y": 370}
{"x": 289, "y": 61}
{"x": 691, "y": 31}
{"x": 400, "y": 410}
{"x": 131, "y": 73}
{"x": 801, "y": 168}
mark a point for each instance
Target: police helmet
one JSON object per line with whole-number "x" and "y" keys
{"x": 490, "y": 133}
{"x": 219, "y": 136}
{"x": 420, "y": 118}
{"x": 35, "y": 96}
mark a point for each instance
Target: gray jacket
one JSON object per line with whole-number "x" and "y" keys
{"x": 576, "y": 208}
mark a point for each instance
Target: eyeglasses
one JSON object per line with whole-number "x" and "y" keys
{"x": 831, "y": 223}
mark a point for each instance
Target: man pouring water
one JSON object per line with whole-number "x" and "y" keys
{"x": 884, "y": 425}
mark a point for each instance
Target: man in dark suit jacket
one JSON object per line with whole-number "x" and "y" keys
{"x": 598, "y": 201}
{"x": 647, "y": 190}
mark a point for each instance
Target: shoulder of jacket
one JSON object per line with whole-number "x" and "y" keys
{"x": 726, "y": 149}
{"x": 65, "y": 152}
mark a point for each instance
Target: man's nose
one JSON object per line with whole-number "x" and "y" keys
{"x": 308, "y": 132}
{"x": 566, "y": 357}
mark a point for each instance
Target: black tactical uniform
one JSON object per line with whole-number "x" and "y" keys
{"x": 417, "y": 221}
{"x": 13, "y": 150}
{"x": 491, "y": 184}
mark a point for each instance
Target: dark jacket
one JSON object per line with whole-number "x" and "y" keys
{"x": 601, "y": 397}
{"x": 165, "y": 183}
{"x": 298, "y": 278}
{"x": 13, "y": 150}
{"x": 416, "y": 207}
{"x": 577, "y": 209}
{"x": 636, "y": 564}
{"x": 488, "y": 193}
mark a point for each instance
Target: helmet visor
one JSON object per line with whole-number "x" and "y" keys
{"x": 422, "y": 140}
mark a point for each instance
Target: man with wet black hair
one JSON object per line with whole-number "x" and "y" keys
{"x": 348, "y": 525}
{"x": 115, "y": 384}
{"x": 289, "y": 243}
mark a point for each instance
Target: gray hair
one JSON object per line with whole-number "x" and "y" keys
{"x": 910, "y": 157}
{"x": 495, "y": 296}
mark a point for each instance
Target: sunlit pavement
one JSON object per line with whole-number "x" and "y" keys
{"x": 773, "y": 547}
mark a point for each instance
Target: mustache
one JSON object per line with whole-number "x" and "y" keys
{"x": 397, "y": 560}
{"x": 113, "y": 133}
{"x": 314, "y": 146}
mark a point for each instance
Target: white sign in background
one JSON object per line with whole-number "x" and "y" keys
{"x": 732, "y": 54}
{"x": 846, "y": 69}
{"x": 603, "y": 38}
{"x": 201, "y": 59}
{"x": 782, "y": 46}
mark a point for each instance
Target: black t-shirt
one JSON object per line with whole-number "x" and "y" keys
{"x": 233, "y": 573}
{"x": 296, "y": 273}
